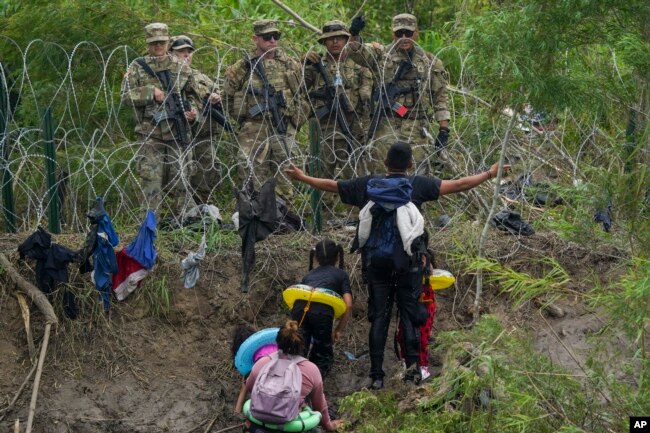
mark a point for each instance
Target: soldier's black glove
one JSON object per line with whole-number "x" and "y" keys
{"x": 442, "y": 137}
{"x": 311, "y": 58}
{"x": 358, "y": 23}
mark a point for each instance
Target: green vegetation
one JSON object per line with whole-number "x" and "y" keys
{"x": 583, "y": 64}
{"x": 494, "y": 381}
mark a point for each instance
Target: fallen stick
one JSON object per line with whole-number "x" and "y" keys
{"x": 37, "y": 379}
{"x": 300, "y": 19}
{"x": 476, "y": 312}
{"x": 30, "y": 290}
{"x": 24, "y": 310}
{"x": 6, "y": 410}
{"x": 232, "y": 427}
{"x": 17, "y": 426}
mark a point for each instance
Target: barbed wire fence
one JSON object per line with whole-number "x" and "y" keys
{"x": 96, "y": 151}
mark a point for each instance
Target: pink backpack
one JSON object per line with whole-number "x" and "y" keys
{"x": 276, "y": 394}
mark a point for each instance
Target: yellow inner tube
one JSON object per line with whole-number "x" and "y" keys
{"x": 303, "y": 292}
{"x": 440, "y": 279}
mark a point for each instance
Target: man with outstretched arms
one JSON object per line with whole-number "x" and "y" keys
{"x": 157, "y": 86}
{"x": 390, "y": 213}
{"x": 410, "y": 89}
{"x": 262, "y": 92}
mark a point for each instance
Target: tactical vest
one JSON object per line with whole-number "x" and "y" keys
{"x": 282, "y": 73}
{"x": 418, "y": 101}
{"x": 357, "y": 83}
{"x": 180, "y": 77}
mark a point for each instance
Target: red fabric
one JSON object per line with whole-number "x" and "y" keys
{"x": 129, "y": 274}
{"x": 425, "y": 330}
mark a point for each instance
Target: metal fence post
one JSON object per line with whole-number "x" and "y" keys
{"x": 50, "y": 172}
{"x": 8, "y": 206}
{"x": 315, "y": 170}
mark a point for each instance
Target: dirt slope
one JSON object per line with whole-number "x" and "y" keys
{"x": 151, "y": 371}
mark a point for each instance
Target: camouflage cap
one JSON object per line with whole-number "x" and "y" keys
{"x": 155, "y": 32}
{"x": 261, "y": 27}
{"x": 405, "y": 21}
{"x": 333, "y": 28}
{"x": 181, "y": 41}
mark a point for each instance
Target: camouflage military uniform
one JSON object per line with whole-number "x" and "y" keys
{"x": 261, "y": 150}
{"x": 208, "y": 166}
{"x": 164, "y": 165}
{"x": 428, "y": 80}
{"x": 337, "y": 150}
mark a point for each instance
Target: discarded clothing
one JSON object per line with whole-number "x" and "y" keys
{"x": 36, "y": 245}
{"x": 190, "y": 266}
{"x": 288, "y": 222}
{"x": 129, "y": 275}
{"x": 258, "y": 218}
{"x": 604, "y": 216}
{"x": 544, "y": 196}
{"x": 98, "y": 215}
{"x": 135, "y": 261}
{"x": 51, "y": 266}
{"x": 143, "y": 249}
{"x": 105, "y": 265}
{"x": 511, "y": 222}
{"x": 203, "y": 212}
{"x": 515, "y": 190}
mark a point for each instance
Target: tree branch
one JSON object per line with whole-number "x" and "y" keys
{"x": 300, "y": 19}
{"x": 30, "y": 290}
{"x": 486, "y": 227}
{"x": 37, "y": 379}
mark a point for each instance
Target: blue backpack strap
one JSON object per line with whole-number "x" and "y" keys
{"x": 390, "y": 192}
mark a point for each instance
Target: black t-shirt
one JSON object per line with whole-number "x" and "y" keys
{"x": 355, "y": 191}
{"x": 326, "y": 277}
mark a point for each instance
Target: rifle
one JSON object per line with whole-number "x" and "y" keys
{"x": 335, "y": 102}
{"x": 216, "y": 113}
{"x": 385, "y": 99}
{"x": 272, "y": 100}
{"x": 174, "y": 106}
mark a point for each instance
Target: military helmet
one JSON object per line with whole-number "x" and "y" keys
{"x": 333, "y": 28}
{"x": 181, "y": 41}
{"x": 155, "y": 32}
{"x": 261, "y": 27}
{"x": 405, "y": 21}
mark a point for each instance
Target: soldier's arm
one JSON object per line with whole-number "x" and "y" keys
{"x": 197, "y": 88}
{"x": 236, "y": 74}
{"x": 309, "y": 77}
{"x": 297, "y": 85}
{"x": 438, "y": 92}
{"x": 365, "y": 87}
{"x": 367, "y": 55}
{"x": 134, "y": 91}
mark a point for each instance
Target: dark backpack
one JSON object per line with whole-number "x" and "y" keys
{"x": 275, "y": 397}
{"x": 384, "y": 246}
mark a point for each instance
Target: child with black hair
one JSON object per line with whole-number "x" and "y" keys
{"x": 317, "y": 319}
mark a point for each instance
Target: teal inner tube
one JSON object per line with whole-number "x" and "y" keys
{"x": 306, "y": 420}
{"x": 244, "y": 356}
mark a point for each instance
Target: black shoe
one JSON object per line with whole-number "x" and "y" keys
{"x": 377, "y": 384}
